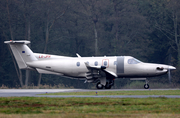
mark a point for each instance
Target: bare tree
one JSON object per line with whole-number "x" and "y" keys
{"x": 53, "y": 13}
{"x": 129, "y": 26}
{"x": 18, "y": 71}
{"x": 172, "y": 33}
{"x": 92, "y": 11}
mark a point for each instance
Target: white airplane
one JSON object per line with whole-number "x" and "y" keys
{"x": 100, "y": 70}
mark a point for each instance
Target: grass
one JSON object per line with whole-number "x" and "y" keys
{"x": 89, "y": 106}
{"x": 74, "y": 115}
{"x": 143, "y": 92}
{"x": 43, "y": 107}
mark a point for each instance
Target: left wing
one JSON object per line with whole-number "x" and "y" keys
{"x": 98, "y": 73}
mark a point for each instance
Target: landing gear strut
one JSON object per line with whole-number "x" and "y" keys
{"x": 108, "y": 86}
{"x": 146, "y": 86}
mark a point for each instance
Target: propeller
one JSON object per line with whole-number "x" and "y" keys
{"x": 168, "y": 68}
{"x": 169, "y": 75}
{"x": 169, "y": 72}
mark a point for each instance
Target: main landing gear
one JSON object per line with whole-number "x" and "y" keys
{"x": 99, "y": 85}
{"x": 107, "y": 86}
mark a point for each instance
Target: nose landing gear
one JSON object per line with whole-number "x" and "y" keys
{"x": 146, "y": 86}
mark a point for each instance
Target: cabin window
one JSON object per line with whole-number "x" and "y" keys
{"x": 115, "y": 62}
{"x": 95, "y": 63}
{"x": 87, "y": 62}
{"x": 78, "y": 63}
{"x": 105, "y": 63}
{"x": 133, "y": 61}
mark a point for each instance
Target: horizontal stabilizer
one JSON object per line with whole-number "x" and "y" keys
{"x": 17, "y": 42}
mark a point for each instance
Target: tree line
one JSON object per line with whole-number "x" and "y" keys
{"x": 145, "y": 29}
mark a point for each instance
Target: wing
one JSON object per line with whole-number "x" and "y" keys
{"x": 98, "y": 73}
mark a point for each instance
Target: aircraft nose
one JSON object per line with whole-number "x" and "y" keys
{"x": 172, "y": 68}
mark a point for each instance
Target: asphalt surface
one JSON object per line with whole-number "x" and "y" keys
{"x": 35, "y": 92}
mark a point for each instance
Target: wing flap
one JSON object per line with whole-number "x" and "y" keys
{"x": 103, "y": 68}
{"x": 111, "y": 73}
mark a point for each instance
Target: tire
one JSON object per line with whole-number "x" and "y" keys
{"x": 99, "y": 85}
{"x": 107, "y": 86}
{"x": 146, "y": 86}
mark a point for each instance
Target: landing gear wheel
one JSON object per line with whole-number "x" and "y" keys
{"x": 99, "y": 85}
{"x": 108, "y": 86}
{"x": 146, "y": 86}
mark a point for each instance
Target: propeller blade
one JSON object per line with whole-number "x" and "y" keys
{"x": 169, "y": 75}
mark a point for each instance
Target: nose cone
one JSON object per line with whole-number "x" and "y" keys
{"x": 172, "y": 68}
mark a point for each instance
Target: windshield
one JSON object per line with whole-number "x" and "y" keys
{"x": 133, "y": 61}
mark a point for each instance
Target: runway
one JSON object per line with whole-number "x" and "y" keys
{"x": 35, "y": 92}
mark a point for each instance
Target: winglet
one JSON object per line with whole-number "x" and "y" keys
{"x": 78, "y": 55}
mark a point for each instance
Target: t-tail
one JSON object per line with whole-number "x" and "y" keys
{"x": 22, "y": 53}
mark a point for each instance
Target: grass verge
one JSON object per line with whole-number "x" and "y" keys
{"x": 144, "y": 92}
{"x": 74, "y": 115}
{"x": 119, "y": 106}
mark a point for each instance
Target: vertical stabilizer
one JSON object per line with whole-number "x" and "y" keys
{"x": 21, "y": 52}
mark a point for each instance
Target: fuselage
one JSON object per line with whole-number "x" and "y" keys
{"x": 100, "y": 70}
{"x": 122, "y": 66}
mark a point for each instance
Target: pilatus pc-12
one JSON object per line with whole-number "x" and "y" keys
{"x": 100, "y": 70}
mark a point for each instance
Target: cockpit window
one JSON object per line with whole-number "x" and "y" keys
{"x": 133, "y": 61}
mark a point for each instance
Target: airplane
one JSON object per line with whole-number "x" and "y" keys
{"x": 100, "y": 70}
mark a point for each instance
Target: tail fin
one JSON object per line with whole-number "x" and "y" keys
{"x": 21, "y": 52}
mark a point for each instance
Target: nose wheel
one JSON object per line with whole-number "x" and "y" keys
{"x": 146, "y": 86}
